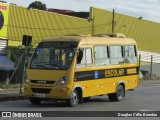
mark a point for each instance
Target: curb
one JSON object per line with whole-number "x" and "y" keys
{"x": 12, "y": 97}
{"x": 147, "y": 85}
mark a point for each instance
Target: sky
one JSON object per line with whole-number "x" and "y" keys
{"x": 148, "y": 9}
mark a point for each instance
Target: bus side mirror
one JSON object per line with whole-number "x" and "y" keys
{"x": 80, "y": 56}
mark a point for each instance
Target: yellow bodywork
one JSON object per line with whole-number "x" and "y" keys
{"x": 90, "y": 87}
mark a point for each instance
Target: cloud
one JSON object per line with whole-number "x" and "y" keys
{"x": 148, "y": 9}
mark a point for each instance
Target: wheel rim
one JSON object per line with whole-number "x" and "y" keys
{"x": 120, "y": 93}
{"x": 74, "y": 98}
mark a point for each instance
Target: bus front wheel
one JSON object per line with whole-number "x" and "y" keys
{"x": 74, "y": 99}
{"x": 118, "y": 95}
{"x": 35, "y": 101}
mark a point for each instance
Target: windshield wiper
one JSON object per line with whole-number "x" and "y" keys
{"x": 58, "y": 65}
{"x": 49, "y": 66}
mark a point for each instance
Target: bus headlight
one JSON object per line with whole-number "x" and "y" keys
{"x": 27, "y": 81}
{"x": 62, "y": 81}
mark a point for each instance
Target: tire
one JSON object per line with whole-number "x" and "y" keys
{"x": 73, "y": 100}
{"x": 118, "y": 95}
{"x": 35, "y": 101}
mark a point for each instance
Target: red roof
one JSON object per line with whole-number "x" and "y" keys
{"x": 60, "y": 11}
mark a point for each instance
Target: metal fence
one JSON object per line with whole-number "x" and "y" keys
{"x": 16, "y": 76}
{"x": 149, "y": 64}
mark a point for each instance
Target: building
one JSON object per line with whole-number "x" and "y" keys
{"x": 5, "y": 63}
{"x": 17, "y": 21}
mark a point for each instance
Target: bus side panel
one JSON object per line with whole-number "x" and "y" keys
{"x": 106, "y": 85}
{"x": 131, "y": 82}
{"x": 90, "y": 87}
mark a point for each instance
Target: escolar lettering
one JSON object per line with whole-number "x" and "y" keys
{"x": 57, "y": 45}
{"x": 114, "y": 72}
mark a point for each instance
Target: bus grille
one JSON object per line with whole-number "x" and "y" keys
{"x": 42, "y": 82}
{"x": 41, "y": 90}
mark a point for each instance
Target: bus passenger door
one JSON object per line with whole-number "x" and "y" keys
{"x": 84, "y": 73}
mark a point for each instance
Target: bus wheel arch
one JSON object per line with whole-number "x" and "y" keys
{"x": 75, "y": 97}
{"x": 123, "y": 85}
{"x": 119, "y": 94}
{"x": 80, "y": 94}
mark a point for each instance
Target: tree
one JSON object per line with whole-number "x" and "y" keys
{"x": 38, "y": 5}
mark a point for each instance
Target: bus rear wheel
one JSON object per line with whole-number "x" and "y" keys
{"x": 74, "y": 99}
{"x": 118, "y": 95}
{"x": 35, "y": 101}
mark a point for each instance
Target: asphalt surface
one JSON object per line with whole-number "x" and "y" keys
{"x": 144, "y": 98}
{"x": 15, "y": 94}
{"x": 141, "y": 99}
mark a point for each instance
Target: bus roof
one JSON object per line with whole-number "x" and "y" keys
{"x": 97, "y": 39}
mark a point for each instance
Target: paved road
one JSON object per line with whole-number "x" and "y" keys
{"x": 143, "y": 98}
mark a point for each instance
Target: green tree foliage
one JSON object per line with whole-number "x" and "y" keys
{"x": 37, "y": 5}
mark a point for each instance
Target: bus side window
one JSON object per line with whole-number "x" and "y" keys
{"x": 89, "y": 57}
{"x": 116, "y": 55}
{"x": 84, "y": 58}
{"x": 101, "y": 55}
{"x": 130, "y": 54}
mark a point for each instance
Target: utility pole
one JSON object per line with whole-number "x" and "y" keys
{"x": 151, "y": 66}
{"x": 26, "y": 41}
{"x": 139, "y": 63}
{"x": 113, "y": 22}
{"x": 24, "y": 69}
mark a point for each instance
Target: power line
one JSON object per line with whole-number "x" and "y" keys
{"x": 23, "y": 27}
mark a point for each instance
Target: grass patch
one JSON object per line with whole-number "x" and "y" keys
{"x": 5, "y": 86}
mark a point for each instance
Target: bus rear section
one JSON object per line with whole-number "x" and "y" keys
{"x": 108, "y": 66}
{"x": 76, "y": 68}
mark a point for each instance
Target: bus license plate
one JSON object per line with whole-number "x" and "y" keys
{"x": 40, "y": 95}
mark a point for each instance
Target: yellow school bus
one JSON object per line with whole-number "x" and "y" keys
{"x": 77, "y": 67}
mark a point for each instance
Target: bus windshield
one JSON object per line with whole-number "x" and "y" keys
{"x": 53, "y": 55}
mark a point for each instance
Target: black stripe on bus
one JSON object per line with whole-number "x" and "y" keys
{"x": 107, "y": 73}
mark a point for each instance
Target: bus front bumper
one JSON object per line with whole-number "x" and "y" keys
{"x": 57, "y": 92}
